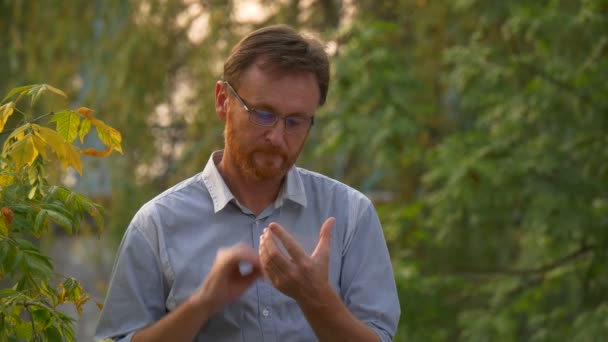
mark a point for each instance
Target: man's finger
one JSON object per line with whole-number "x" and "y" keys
{"x": 242, "y": 253}
{"x": 272, "y": 256}
{"x": 296, "y": 252}
{"x": 324, "y": 246}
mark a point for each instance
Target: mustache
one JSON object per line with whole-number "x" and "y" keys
{"x": 270, "y": 149}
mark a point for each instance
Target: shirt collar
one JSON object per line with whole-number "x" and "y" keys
{"x": 293, "y": 188}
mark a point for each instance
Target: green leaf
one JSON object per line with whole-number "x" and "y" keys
{"x": 25, "y": 245}
{"x": 67, "y": 124}
{"x": 70, "y": 285}
{"x": 12, "y": 260}
{"x": 53, "y": 334}
{"x": 60, "y": 208}
{"x": 40, "y": 264}
{"x": 94, "y": 210}
{"x": 7, "y": 292}
{"x": 39, "y": 223}
{"x": 40, "y": 315}
{"x": 24, "y": 331}
{"x": 63, "y": 221}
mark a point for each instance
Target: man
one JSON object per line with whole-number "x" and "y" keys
{"x": 254, "y": 248}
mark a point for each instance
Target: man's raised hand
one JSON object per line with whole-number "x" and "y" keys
{"x": 297, "y": 274}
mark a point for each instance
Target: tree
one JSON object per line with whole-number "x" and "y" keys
{"x": 31, "y": 206}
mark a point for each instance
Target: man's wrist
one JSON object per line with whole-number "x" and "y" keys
{"x": 323, "y": 299}
{"x": 202, "y": 304}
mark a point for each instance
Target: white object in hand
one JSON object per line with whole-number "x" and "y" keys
{"x": 245, "y": 268}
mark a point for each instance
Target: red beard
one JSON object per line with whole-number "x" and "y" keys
{"x": 243, "y": 155}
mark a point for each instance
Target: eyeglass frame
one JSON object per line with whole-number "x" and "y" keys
{"x": 252, "y": 112}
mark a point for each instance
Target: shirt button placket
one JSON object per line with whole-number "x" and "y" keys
{"x": 265, "y": 299}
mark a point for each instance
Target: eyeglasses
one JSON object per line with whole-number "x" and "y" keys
{"x": 293, "y": 123}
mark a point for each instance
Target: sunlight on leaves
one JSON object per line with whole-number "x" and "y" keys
{"x": 6, "y": 110}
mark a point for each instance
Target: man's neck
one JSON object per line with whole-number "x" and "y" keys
{"x": 255, "y": 195}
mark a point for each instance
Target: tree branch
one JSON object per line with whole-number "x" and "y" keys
{"x": 584, "y": 249}
{"x": 558, "y": 83}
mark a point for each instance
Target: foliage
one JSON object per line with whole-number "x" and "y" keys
{"x": 490, "y": 165}
{"x": 32, "y": 206}
{"x": 477, "y": 127}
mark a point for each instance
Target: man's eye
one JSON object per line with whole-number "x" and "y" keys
{"x": 265, "y": 117}
{"x": 294, "y": 121}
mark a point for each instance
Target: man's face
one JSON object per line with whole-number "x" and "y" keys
{"x": 267, "y": 153}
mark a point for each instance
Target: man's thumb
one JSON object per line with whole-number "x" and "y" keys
{"x": 323, "y": 247}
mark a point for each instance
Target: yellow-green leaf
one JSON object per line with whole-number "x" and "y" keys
{"x": 56, "y": 91}
{"x": 32, "y": 192}
{"x": 6, "y": 179}
{"x": 40, "y": 146}
{"x": 73, "y": 158}
{"x": 23, "y": 151}
{"x": 85, "y": 127}
{"x": 19, "y": 90}
{"x": 36, "y": 90}
{"x": 51, "y": 138}
{"x": 6, "y": 110}
{"x": 3, "y": 229}
{"x": 108, "y": 135}
{"x": 67, "y": 124}
{"x": 64, "y": 151}
{"x": 80, "y": 301}
{"x": 17, "y": 134}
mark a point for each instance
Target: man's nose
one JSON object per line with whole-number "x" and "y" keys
{"x": 276, "y": 133}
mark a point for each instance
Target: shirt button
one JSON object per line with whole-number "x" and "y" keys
{"x": 265, "y": 312}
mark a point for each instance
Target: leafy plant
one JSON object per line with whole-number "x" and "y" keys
{"x": 31, "y": 206}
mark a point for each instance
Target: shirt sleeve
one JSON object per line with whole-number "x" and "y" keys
{"x": 367, "y": 280}
{"x": 135, "y": 297}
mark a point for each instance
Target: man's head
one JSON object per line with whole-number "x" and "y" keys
{"x": 281, "y": 50}
{"x": 272, "y": 73}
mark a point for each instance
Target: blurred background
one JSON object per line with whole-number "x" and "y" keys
{"x": 478, "y": 128}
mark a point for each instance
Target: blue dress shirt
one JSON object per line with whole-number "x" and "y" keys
{"x": 170, "y": 245}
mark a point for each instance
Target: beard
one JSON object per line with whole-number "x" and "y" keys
{"x": 243, "y": 154}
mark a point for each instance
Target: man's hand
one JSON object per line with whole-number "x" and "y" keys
{"x": 225, "y": 282}
{"x": 306, "y": 279}
{"x": 298, "y": 275}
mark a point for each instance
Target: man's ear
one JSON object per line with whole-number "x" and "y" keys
{"x": 221, "y": 100}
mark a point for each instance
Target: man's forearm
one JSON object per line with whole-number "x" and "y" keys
{"x": 224, "y": 284}
{"x": 180, "y": 325}
{"x": 332, "y": 321}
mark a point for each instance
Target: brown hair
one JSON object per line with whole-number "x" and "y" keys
{"x": 283, "y": 50}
